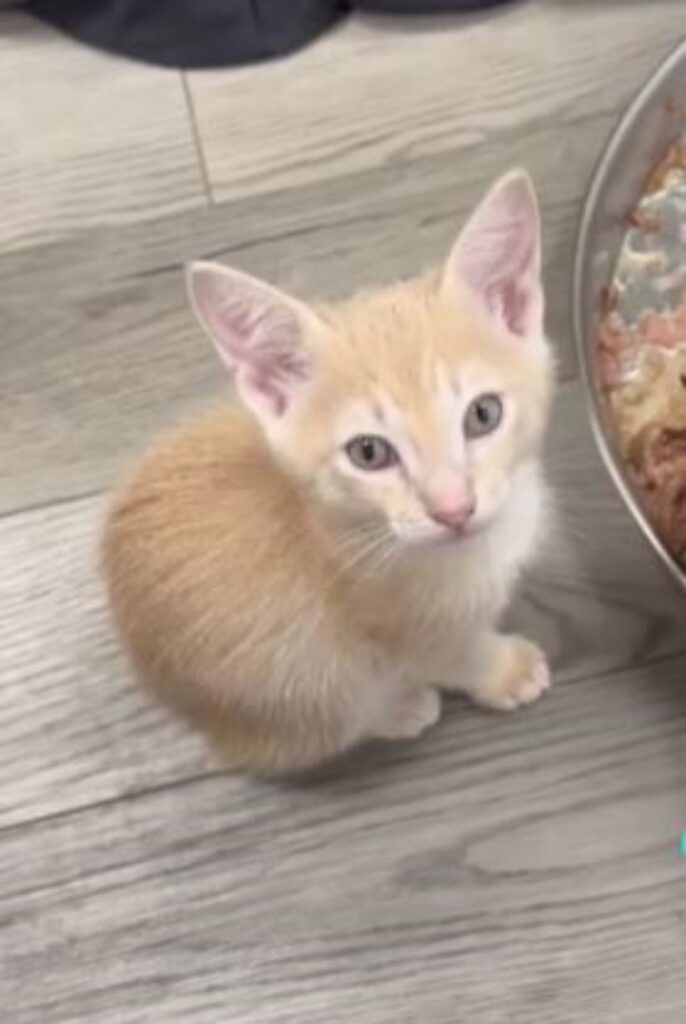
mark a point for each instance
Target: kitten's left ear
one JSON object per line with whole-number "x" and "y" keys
{"x": 498, "y": 257}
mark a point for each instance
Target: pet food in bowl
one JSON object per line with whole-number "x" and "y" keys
{"x": 641, "y": 349}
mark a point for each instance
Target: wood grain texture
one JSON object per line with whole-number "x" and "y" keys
{"x": 75, "y": 729}
{"x": 86, "y": 139}
{"x": 380, "y": 92}
{"x": 517, "y": 870}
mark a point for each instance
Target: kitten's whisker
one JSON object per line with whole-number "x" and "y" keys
{"x": 369, "y": 546}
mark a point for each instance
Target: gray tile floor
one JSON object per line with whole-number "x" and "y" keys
{"x": 504, "y": 870}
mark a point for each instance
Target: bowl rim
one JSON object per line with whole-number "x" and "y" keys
{"x": 602, "y": 174}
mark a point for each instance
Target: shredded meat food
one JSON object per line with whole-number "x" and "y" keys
{"x": 642, "y": 353}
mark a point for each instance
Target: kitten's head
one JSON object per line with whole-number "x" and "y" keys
{"x": 415, "y": 405}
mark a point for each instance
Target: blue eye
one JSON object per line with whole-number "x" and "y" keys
{"x": 371, "y": 453}
{"x": 483, "y": 415}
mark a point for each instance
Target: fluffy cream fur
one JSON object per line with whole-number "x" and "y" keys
{"x": 293, "y": 605}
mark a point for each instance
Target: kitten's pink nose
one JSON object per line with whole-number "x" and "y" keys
{"x": 455, "y": 514}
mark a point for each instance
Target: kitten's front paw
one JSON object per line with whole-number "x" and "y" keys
{"x": 411, "y": 714}
{"x": 519, "y": 675}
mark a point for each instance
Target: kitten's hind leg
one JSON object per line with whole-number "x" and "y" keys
{"x": 319, "y": 732}
{"x": 408, "y": 713}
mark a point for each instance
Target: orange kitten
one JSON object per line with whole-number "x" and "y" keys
{"x": 308, "y": 570}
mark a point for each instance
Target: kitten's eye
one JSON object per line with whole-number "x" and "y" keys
{"x": 370, "y": 452}
{"x": 483, "y": 415}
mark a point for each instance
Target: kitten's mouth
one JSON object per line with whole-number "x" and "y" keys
{"x": 461, "y": 535}
{"x": 441, "y": 538}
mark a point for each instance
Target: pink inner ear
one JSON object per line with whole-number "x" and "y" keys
{"x": 498, "y": 256}
{"x": 510, "y": 295}
{"x": 257, "y": 332}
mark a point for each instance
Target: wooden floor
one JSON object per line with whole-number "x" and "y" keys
{"x": 504, "y": 870}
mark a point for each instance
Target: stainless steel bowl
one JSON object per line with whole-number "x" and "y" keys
{"x": 654, "y": 119}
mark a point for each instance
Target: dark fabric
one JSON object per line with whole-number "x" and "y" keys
{"x": 425, "y": 6}
{"x": 192, "y": 33}
{"x": 214, "y": 33}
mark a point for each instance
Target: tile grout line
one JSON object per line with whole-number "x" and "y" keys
{"x": 197, "y": 140}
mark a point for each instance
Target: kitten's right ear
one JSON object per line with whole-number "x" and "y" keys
{"x": 260, "y": 333}
{"x": 497, "y": 257}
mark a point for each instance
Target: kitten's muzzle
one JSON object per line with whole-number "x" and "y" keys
{"x": 454, "y": 515}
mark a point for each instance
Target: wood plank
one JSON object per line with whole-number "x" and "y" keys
{"x": 520, "y": 869}
{"x": 111, "y": 352}
{"x": 76, "y": 731}
{"x": 78, "y": 725}
{"x": 87, "y": 139}
{"x": 382, "y": 92}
